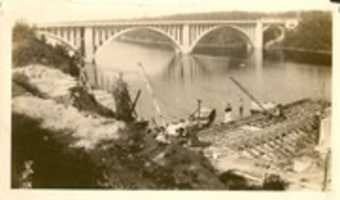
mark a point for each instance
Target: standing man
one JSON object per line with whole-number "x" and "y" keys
{"x": 241, "y": 108}
{"x": 228, "y": 113}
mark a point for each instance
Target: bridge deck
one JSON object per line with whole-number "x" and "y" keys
{"x": 158, "y": 22}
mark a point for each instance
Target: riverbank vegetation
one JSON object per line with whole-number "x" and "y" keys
{"x": 314, "y": 32}
{"x": 311, "y": 41}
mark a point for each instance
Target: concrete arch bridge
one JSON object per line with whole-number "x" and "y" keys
{"x": 88, "y": 37}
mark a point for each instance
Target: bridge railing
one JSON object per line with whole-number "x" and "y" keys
{"x": 160, "y": 22}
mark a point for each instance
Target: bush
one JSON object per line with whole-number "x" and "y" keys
{"x": 274, "y": 182}
{"x": 55, "y": 164}
{"x": 85, "y": 101}
{"x": 29, "y": 49}
{"x": 234, "y": 181}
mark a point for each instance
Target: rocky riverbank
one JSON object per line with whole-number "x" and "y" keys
{"x": 54, "y": 137}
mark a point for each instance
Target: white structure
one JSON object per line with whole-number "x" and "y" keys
{"x": 324, "y": 142}
{"x": 89, "y": 37}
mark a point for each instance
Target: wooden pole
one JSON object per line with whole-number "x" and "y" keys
{"x": 154, "y": 99}
{"x": 199, "y": 110}
{"x": 134, "y": 103}
{"x": 249, "y": 94}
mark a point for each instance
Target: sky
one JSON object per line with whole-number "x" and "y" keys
{"x": 68, "y": 10}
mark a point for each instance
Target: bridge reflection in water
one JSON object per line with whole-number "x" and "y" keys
{"x": 190, "y": 67}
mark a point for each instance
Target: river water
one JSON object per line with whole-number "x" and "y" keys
{"x": 178, "y": 81}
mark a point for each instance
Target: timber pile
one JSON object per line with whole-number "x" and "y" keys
{"x": 276, "y": 142}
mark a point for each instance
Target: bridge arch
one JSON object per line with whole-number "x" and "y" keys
{"x": 242, "y": 32}
{"x": 59, "y": 40}
{"x": 130, "y": 29}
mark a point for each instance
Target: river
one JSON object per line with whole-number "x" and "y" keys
{"x": 179, "y": 80}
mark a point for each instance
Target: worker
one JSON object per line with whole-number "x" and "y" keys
{"x": 211, "y": 117}
{"x": 228, "y": 113}
{"x": 122, "y": 100}
{"x": 241, "y": 108}
{"x": 278, "y": 112}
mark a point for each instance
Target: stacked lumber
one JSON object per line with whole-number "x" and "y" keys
{"x": 273, "y": 142}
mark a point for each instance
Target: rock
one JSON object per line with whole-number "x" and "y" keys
{"x": 88, "y": 130}
{"x": 49, "y": 81}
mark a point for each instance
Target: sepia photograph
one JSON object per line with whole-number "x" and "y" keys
{"x": 171, "y": 95}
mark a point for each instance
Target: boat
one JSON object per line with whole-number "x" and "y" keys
{"x": 185, "y": 130}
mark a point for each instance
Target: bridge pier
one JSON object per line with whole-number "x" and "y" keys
{"x": 185, "y": 50}
{"x": 88, "y": 51}
{"x": 88, "y": 45}
{"x": 258, "y": 52}
{"x": 91, "y": 73}
{"x": 258, "y": 35}
{"x": 185, "y": 46}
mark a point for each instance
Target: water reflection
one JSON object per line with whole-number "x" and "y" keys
{"x": 193, "y": 66}
{"x": 183, "y": 68}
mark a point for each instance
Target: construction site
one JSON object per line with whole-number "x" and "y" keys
{"x": 258, "y": 124}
